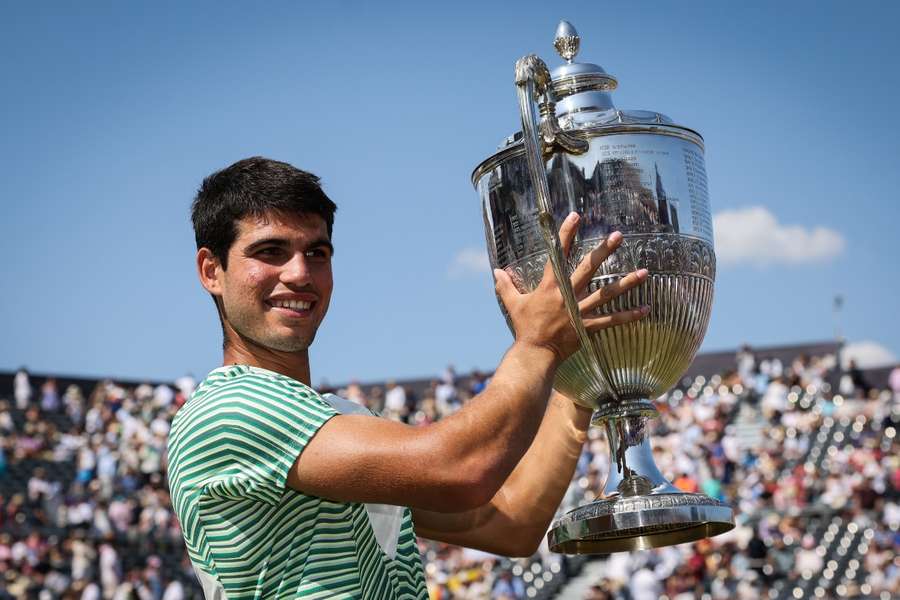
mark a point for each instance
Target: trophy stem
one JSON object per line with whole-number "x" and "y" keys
{"x": 632, "y": 472}
{"x": 639, "y": 508}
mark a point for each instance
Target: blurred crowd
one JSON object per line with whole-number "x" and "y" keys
{"x": 749, "y": 438}
{"x": 85, "y": 511}
{"x": 84, "y": 506}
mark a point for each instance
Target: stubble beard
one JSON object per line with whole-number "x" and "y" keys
{"x": 253, "y": 334}
{"x": 287, "y": 344}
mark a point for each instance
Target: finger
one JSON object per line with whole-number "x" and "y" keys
{"x": 504, "y": 286}
{"x": 613, "y": 290}
{"x": 566, "y": 235}
{"x": 618, "y": 318}
{"x": 567, "y": 231}
{"x": 589, "y": 265}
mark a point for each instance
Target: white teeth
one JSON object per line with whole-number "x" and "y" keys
{"x": 292, "y": 304}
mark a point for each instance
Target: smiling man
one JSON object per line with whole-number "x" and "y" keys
{"x": 285, "y": 493}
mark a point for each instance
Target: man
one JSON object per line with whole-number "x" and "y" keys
{"x": 284, "y": 493}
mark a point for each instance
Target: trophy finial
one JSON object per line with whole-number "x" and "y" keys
{"x": 567, "y": 41}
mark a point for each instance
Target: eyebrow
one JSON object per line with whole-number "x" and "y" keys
{"x": 283, "y": 243}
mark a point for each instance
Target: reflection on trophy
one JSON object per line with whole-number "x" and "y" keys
{"x": 639, "y": 173}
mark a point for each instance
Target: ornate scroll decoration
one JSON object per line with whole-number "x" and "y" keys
{"x": 553, "y": 136}
{"x": 567, "y": 46}
{"x": 567, "y": 41}
{"x": 531, "y": 67}
{"x": 659, "y": 253}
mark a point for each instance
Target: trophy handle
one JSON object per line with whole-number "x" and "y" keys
{"x": 533, "y": 82}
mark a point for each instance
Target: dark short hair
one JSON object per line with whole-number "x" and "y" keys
{"x": 253, "y": 187}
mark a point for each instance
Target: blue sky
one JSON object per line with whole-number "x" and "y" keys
{"x": 112, "y": 113}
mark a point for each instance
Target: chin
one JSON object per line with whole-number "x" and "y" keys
{"x": 289, "y": 342}
{"x": 293, "y": 344}
{"x": 282, "y": 345}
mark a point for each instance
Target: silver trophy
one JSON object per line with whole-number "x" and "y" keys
{"x": 639, "y": 173}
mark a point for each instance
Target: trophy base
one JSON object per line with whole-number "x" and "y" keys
{"x": 639, "y": 523}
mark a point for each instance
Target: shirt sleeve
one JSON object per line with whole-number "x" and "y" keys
{"x": 259, "y": 432}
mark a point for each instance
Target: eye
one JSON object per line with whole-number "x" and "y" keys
{"x": 317, "y": 254}
{"x": 269, "y": 251}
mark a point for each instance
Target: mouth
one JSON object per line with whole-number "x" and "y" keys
{"x": 292, "y": 308}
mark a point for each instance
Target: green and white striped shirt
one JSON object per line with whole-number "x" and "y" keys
{"x": 248, "y": 535}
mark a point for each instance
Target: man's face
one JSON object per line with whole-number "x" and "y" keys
{"x": 276, "y": 289}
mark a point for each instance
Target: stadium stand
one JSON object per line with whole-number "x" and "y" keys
{"x": 805, "y": 452}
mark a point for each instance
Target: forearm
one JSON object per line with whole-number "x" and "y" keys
{"x": 489, "y": 436}
{"x": 532, "y": 493}
{"x": 516, "y": 518}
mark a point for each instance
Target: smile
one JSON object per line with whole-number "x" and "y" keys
{"x": 292, "y": 308}
{"x": 291, "y": 304}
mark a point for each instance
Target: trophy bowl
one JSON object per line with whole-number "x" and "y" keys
{"x": 639, "y": 173}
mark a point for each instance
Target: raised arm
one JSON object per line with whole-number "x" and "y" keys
{"x": 516, "y": 518}
{"x": 462, "y": 461}
{"x": 455, "y": 464}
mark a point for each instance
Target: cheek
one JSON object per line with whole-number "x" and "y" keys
{"x": 257, "y": 275}
{"x": 327, "y": 282}
{"x": 324, "y": 284}
{"x": 250, "y": 284}
{"x": 323, "y": 278}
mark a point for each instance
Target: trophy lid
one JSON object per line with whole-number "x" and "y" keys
{"x": 578, "y": 87}
{"x": 591, "y": 76}
{"x": 581, "y": 91}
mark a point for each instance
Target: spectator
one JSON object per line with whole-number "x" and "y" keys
{"x": 395, "y": 402}
{"x": 808, "y": 561}
{"x": 22, "y": 389}
{"x": 49, "y": 396}
{"x": 746, "y": 364}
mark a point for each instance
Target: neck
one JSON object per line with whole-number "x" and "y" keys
{"x": 246, "y": 352}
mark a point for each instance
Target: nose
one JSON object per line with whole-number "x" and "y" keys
{"x": 296, "y": 271}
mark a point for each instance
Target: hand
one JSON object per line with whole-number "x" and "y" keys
{"x": 540, "y": 318}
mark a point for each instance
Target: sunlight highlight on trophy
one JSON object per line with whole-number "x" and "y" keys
{"x": 639, "y": 173}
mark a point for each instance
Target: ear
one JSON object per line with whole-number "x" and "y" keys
{"x": 209, "y": 269}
